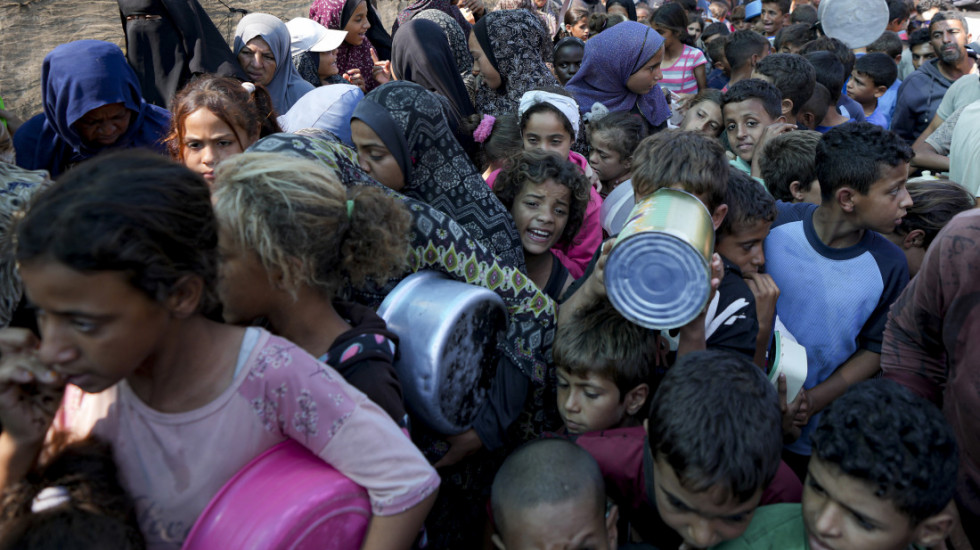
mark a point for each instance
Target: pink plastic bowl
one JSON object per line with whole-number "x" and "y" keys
{"x": 286, "y": 498}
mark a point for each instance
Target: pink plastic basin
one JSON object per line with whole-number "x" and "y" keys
{"x": 286, "y": 498}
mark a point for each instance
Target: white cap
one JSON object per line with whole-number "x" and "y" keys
{"x": 306, "y": 35}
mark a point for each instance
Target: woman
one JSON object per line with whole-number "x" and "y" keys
{"x": 510, "y": 49}
{"x": 546, "y": 10}
{"x": 620, "y": 70}
{"x": 366, "y": 42}
{"x": 92, "y": 103}
{"x": 418, "y": 6}
{"x": 458, "y": 42}
{"x": 403, "y": 141}
{"x": 262, "y": 46}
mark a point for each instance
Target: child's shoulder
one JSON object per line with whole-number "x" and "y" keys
{"x": 774, "y": 526}
{"x": 789, "y": 212}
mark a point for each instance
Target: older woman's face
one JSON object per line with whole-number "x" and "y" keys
{"x": 103, "y": 126}
{"x": 258, "y": 61}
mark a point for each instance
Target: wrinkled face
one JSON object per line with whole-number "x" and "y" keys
{"x": 949, "y": 39}
{"x": 374, "y": 156}
{"x": 208, "y": 140}
{"x": 745, "y": 123}
{"x": 590, "y": 403}
{"x": 704, "y": 117}
{"x": 328, "y": 65}
{"x": 580, "y": 29}
{"x": 861, "y": 88}
{"x": 545, "y": 131}
{"x": 743, "y": 246}
{"x": 606, "y": 161}
{"x": 573, "y": 524}
{"x": 772, "y": 17}
{"x": 540, "y": 213}
{"x": 103, "y": 126}
{"x": 703, "y": 519}
{"x": 358, "y": 25}
{"x": 568, "y": 60}
{"x": 886, "y": 203}
{"x": 922, "y": 53}
{"x": 482, "y": 65}
{"x": 258, "y": 61}
{"x": 843, "y": 513}
{"x": 243, "y": 283}
{"x": 642, "y": 81}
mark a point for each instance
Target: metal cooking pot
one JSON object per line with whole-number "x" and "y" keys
{"x": 856, "y": 23}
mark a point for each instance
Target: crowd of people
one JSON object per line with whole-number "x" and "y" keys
{"x": 196, "y": 236}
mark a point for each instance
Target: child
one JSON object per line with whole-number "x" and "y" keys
{"x": 605, "y": 370}
{"x": 793, "y": 75}
{"x": 792, "y": 38}
{"x": 882, "y": 475}
{"x": 714, "y": 31}
{"x": 788, "y": 166}
{"x": 683, "y": 65}
{"x": 695, "y": 26}
{"x": 550, "y": 494}
{"x": 753, "y": 114}
{"x": 612, "y": 139}
{"x": 568, "y": 55}
{"x": 499, "y": 139}
{"x": 547, "y": 196}
{"x": 873, "y": 75}
{"x": 123, "y": 283}
{"x": 719, "y": 12}
{"x": 282, "y": 224}
{"x": 742, "y": 51}
{"x": 921, "y": 47}
{"x": 720, "y": 70}
{"x": 889, "y": 43}
{"x": 775, "y": 14}
{"x": 803, "y": 13}
{"x": 577, "y": 23}
{"x": 862, "y": 170}
{"x": 704, "y": 114}
{"x": 830, "y": 76}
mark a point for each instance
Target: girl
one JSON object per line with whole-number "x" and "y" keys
{"x": 510, "y": 48}
{"x": 366, "y": 42}
{"x": 613, "y": 138}
{"x": 569, "y": 52}
{"x": 418, "y": 6}
{"x": 290, "y": 238}
{"x": 704, "y": 113}
{"x": 577, "y": 23}
{"x": 499, "y": 139}
{"x": 695, "y": 26}
{"x": 620, "y": 70}
{"x": 262, "y": 46}
{"x": 404, "y": 142}
{"x": 547, "y": 197}
{"x": 124, "y": 288}
{"x": 215, "y": 118}
{"x": 683, "y": 64}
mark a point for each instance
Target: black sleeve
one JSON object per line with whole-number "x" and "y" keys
{"x": 504, "y": 404}
{"x": 378, "y": 380}
{"x": 585, "y": 276}
{"x": 735, "y": 323}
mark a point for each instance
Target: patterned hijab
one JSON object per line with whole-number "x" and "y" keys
{"x": 17, "y": 186}
{"x": 548, "y": 14}
{"x": 441, "y": 173}
{"x": 457, "y": 38}
{"x": 420, "y": 53}
{"x": 518, "y": 46}
{"x": 611, "y": 57}
{"x": 444, "y": 6}
{"x": 335, "y": 14}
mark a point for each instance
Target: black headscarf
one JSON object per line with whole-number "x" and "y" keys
{"x": 628, "y": 4}
{"x": 421, "y": 54}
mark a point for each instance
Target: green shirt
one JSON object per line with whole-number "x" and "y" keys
{"x": 773, "y": 527}
{"x": 747, "y": 168}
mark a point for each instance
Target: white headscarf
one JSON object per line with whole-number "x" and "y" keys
{"x": 565, "y": 104}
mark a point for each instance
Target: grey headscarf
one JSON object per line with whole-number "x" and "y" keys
{"x": 287, "y": 85}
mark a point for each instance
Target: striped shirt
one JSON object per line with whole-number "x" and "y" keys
{"x": 679, "y": 77}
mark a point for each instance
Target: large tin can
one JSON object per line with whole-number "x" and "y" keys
{"x": 659, "y": 271}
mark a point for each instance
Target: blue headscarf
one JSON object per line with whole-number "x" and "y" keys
{"x": 611, "y": 57}
{"x": 76, "y": 78}
{"x": 325, "y": 108}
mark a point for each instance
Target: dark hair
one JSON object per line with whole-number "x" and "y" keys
{"x": 737, "y": 13}
{"x": 673, "y": 17}
{"x": 792, "y": 74}
{"x": 926, "y": 5}
{"x": 934, "y": 203}
{"x": 879, "y": 67}
{"x": 898, "y": 10}
{"x": 568, "y": 41}
{"x": 545, "y": 107}
{"x": 713, "y": 29}
{"x": 819, "y": 103}
{"x": 804, "y": 14}
{"x": 884, "y": 435}
{"x": 715, "y": 420}
{"x": 535, "y": 167}
{"x": 716, "y": 50}
{"x": 575, "y": 14}
{"x": 754, "y": 88}
{"x": 748, "y": 202}
{"x": 950, "y": 16}
{"x": 784, "y": 5}
{"x": 834, "y": 46}
{"x": 742, "y": 45}
{"x": 852, "y": 155}
{"x": 688, "y": 5}
{"x": 226, "y": 98}
{"x": 97, "y": 513}
{"x": 787, "y": 158}
{"x": 919, "y": 37}
{"x": 133, "y": 212}
{"x": 830, "y": 72}
{"x": 694, "y": 162}
{"x": 627, "y": 129}
{"x": 503, "y": 142}
{"x": 797, "y": 34}
{"x": 888, "y": 43}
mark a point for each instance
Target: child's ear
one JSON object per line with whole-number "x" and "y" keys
{"x": 186, "y": 296}
{"x": 807, "y": 119}
{"x": 932, "y": 531}
{"x": 612, "y": 533}
{"x": 914, "y": 239}
{"x": 787, "y": 108}
{"x": 880, "y": 91}
{"x": 628, "y": 162}
{"x": 635, "y": 398}
{"x": 794, "y": 189}
{"x": 845, "y": 198}
{"x": 718, "y": 215}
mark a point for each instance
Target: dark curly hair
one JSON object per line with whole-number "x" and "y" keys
{"x": 853, "y": 154}
{"x": 536, "y": 167}
{"x": 748, "y": 203}
{"x": 883, "y": 434}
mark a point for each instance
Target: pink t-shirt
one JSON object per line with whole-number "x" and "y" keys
{"x": 174, "y": 464}
{"x": 679, "y": 77}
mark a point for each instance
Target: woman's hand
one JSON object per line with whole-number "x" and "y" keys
{"x": 354, "y": 77}
{"x": 381, "y": 70}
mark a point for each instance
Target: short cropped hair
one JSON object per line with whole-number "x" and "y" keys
{"x": 919, "y": 37}
{"x": 545, "y": 471}
{"x": 754, "y": 88}
{"x": 796, "y": 34}
{"x": 882, "y": 434}
{"x": 898, "y": 10}
{"x": 888, "y": 43}
{"x": 748, "y": 202}
{"x": 934, "y": 203}
{"x": 600, "y": 341}
{"x": 742, "y": 45}
{"x": 715, "y": 420}
{"x": 926, "y": 5}
{"x": 834, "y": 46}
{"x": 819, "y": 103}
{"x": 787, "y": 158}
{"x": 853, "y": 154}
{"x": 950, "y": 16}
{"x": 694, "y": 162}
{"x": 713, "y": 29}
{"x": 804, "y": 14}
{"x": 716, "y": 50}
{"x": 830, "y": 72}
{"x": 880, "y": 68}
{"x": 784, "y": 5}
{"x": 792, "y": 74}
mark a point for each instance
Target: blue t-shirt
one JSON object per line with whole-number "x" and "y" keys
{"x": 886, "y": 103}
{"x": 878, "y": 117}
{"x": 833, "y": 300}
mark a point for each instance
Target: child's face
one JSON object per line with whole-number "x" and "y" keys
{"x": 605, "y": 161}
{"x": 862, "y": 89}
{"x": 328, "y": 65}
{"x": 703, "y": 519}
{"x": 743, "y": 246}
{"x": 746, "y": 122}
{"x": 922, "y": 53}
{"x": 718, "y": 11}
{"x": 580, "y": 29}
{"x": 546, "y": 132}
{"x": 773, "y": 18}
{"x": 588, "y": 404}
{"x": 207, "y": 141}
{"x": 694, "y": 30}
{"x": 243, "y": 287}
{"x": 642, "y": 81}
{"x": 574, "y": 524}
{"x": 482, "y": 65}
{"x": 567, "y": 62}
{"x": 843, "y": 513}
{"x": 374, "y": 157}
{"x": 704, "y": 117}
{"x": 540, "y": 212}
{"x": 887, "y": 201}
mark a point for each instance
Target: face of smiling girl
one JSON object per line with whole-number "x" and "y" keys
{"x": 544, "y": 130}
{"x": 540, "y": 212}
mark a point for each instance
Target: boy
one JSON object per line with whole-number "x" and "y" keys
{"x": 720, "y": 74}
{"x": 834, "y": 252}
{"x": 815, "y": 110}
{"x": 873, "y": 75}
{"x": 921, "y": 48}
{"x": 882, "y": 474}
{"x": 775, "y": 14}
{"x": 550, "y": 494}
{"x": 742, "y": 51}
{"x": 831, "y": 76}
{"x": 792, "y": 38}
{"x": 803, "y": 13}
{"x": 752, "y": 113}
{"x": 845, "y": 105}
{"x": 889, "y": 43}
{"x": 793, "y": 75}
{"x": 788, "y": 167}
